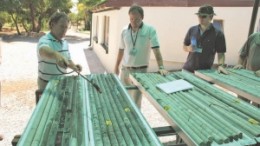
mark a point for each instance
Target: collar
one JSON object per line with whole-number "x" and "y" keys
{"x": 129, "y": 26}
{"x": 52, "y": 38}
{"x": 208, "y": 29}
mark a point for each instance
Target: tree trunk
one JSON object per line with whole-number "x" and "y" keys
{"x": 39, "y": 27}
{"x": 15, "y": 23}
{"x": 24, "y": 26}
{"x": 86, "y": 20}
{"x": 33, "y": 20}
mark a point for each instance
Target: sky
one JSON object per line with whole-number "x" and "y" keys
{"x": 74, "y": 8}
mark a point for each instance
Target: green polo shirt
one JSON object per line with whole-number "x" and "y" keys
{"x": 47, "y": 68}
{"x": 251, "y": 52}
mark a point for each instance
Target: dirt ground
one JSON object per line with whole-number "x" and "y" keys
{"x": 18, "y": 75}
{"x": 18, "y": 84}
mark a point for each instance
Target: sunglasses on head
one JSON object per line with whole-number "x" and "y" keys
{"x": 203, "y": 16}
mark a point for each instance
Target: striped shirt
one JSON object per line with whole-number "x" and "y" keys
{"x": 251, "y": 52}
{"x": 47, "y": 68}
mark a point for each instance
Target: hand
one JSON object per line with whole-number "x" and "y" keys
{"x": 189, "y": 48}
{"x": 78, "y": 68}
{"x": 257, "y": 73}
{"x": 238, "y": 66}
{"x": 60, "y": 60}
{"x": 163, "y": 72}
{"x": 221, "y": 69}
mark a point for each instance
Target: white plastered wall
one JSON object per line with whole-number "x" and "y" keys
{"x": 172, "y": 24}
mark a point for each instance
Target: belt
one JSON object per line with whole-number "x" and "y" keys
{"x": 139, "y": 67}
{"x": 43, "y": 80}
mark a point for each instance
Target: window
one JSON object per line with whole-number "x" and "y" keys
{"x": 218, "y": 24}
{"x": 106, "y": 33}
{"x": 95, "y": 38}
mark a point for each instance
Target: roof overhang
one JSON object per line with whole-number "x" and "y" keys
{"x": 117, "y": 4}
{"x": 104, "y": 6}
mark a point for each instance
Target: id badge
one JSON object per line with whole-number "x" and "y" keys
{"x": 199, "y": 50}
{"x": 133, "y": 52}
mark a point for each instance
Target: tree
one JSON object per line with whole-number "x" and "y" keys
{"x": 13, "y": 8}
{"x": 91, "y": 3}
{"x": 4, "y": 19}
{"x": 81, "y": 13}
{"x": 86, "y": 10}
{"x": 38, "y": 11}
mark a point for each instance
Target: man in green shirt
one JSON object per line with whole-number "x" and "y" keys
{"x": 249, "y": 57}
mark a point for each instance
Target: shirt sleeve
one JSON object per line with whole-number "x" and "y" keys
{"x": 122, "y": 42}
{"x": 187, "y": 38}
{"x": 154, "y": 39}
{"x": 220, "y": 42}
{"x": 245, "y": 49}
{"x": 42, "y": 42}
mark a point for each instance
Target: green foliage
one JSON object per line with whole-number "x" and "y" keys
{"x": 4, "y": 18}
{"x": 81, "y": 11}
{"x": 84, "y": 11}
{"x": 73, "y": 18}
{"x": 32, "y": 14}
{"x": 91, "y": 3}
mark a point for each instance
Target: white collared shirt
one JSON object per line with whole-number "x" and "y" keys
{"x": 146, "y": 39}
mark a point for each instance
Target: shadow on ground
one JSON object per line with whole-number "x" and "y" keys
{"x": 95, "y": 65}
{"x": 75, "y": 39}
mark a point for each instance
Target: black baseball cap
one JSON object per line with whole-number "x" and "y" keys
{"x": 206, "y": 10}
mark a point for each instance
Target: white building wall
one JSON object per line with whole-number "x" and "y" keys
{"x": 172, "y": 24}
{"x": 108, "y": 59}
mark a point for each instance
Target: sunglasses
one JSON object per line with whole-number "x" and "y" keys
{"x": 203, "y": 16}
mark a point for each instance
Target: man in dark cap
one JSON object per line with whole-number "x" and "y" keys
{"x": 203, "y": 41}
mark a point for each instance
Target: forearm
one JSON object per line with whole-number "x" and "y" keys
{"x": 241, "y": 60}
{"x": 71, "y": 64}
{"x": 119, "y": 57}
{"x": 221, "y": 58}
{"x": 159, "y": 60}
{"x": 47, "y": 52}
{"x": 158, "y": 57}
{"x": 221, "y": 62}
{"x": 186, "y": 48}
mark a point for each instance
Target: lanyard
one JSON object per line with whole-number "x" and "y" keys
{"x": 134, "y": 40}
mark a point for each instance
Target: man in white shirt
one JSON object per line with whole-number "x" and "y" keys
{"x": 137, "y": 41}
